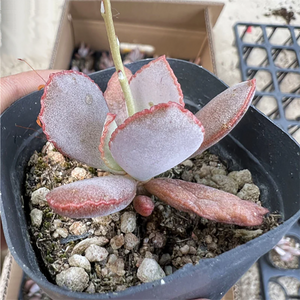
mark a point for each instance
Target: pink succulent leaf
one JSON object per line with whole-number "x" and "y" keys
{"x": 155, "y": 83}
{"x": 223, "y": 112}
{"x": 154, "y": 140}
{"x": 207, "y": 202}
{"x": 115, "y": 98}
{"x": 109, "y": 127}
{"x": 279, "y": 250}
{"x": 291, "y": 249}
{"x": 89, "y": 198}
{"x": 143, "y": 205}
{"x": 73, "y": 111}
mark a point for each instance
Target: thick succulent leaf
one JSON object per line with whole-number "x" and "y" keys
{"x": 143, "y": 205}
{"x": 115, "y": 98}
{"x": 207, "y": 202}
{"x": 73, "y": 111}
{"x": 223, "y": 112}
{"x": 109, "y": 127}
{"x": 89, "y": 198}
{"x": 155, "y": 140}
{"x": 155, "y": 83}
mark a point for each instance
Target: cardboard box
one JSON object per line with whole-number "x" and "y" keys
{"x": 10, "y": 279}
{"x": 178, "y": 29}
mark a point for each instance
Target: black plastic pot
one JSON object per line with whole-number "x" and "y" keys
{"x": 256, "y": 143}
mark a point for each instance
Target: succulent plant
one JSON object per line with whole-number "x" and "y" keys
{"x": 96, "y": 130}
{"x": 137, "y": 130}
{"x": 287, "y": 250}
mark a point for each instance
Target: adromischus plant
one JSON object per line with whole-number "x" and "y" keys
{"x": 137, "y": 130}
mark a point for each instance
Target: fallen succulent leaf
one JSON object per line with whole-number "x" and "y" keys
{"x": 207, "y": 202}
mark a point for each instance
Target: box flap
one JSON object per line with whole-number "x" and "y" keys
{"x": 164, "y": 13}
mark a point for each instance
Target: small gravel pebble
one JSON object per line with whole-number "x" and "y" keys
{"x": 79, "y": 173}
{"x": 218, "y": 171}
{"x": 249, "y": 192}
{"x": 74, "y": 279}
{"x": 241, "y": 177}
{"x": 165, "y": 259}
{"x": 116, "y": 265}
{"x": 80, "y": 261}
{"x": 187, "y": 175}
{"x": 36, "y": 217}
{"x": 168, "y": 270}
{"x": 78, "y": 228}
{"x": 48, "y": 147}
{"x": 55, "y": 157}
{"x": 185, "y": 249}
{"x": 131, "y": 241}
{"x": 102, "y": 220}
{"x": 83, "y": 245}
{"x": 226, "y": 183}
{"x": 149, "y": 270}
{"x": 91, "y": 289}
{"x": 38, "y": 197}
{"x": 208, "y": 239}
{"x": 128, "y": 222}
{"x": 57, "y": 223}
{"x": 117, "y": 241}
{"x": 188, "y": 163}
{"x": 205, "y": 181}
{"x": 63, "y": 232}
{"x": 95, "y": 253}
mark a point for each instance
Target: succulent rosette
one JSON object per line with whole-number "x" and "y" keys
{"x": 95, "y": 129}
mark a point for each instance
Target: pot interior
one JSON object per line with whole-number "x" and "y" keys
{"x": 256, "y": 144}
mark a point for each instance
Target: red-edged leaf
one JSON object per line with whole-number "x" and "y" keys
{"x": 89, "y": 198}
{"x": 155, "y": 83}
{"x": 73, "y": 111}
{"x": 155, "y": 140}
{"x": 207, "y": 202}
{"x": 109, "y": 127}
{"x": 115, "y": 98}
{"x": 223, "y": 112}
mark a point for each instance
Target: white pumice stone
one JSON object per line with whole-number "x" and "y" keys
{"x": 77, "y": 260}
{"x": 95, "y": 253}
{"x": 38, "y": 197}
{"x": 56, "y": 157}
{"x": 149, "y": 270}
{"x": 36, "y": 217}
{"x": 75, "y": 279}
{"x": 128, "y": 222}
{"x": 63, "y": 232}
{"x": 79, "y": 173}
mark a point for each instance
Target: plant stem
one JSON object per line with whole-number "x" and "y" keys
{"x": 115, "y": 51}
